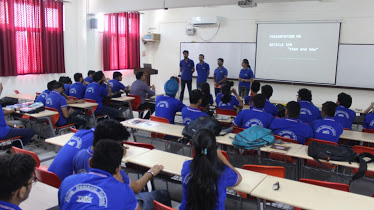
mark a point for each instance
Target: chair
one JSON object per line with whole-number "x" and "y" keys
{"x": 160, "y": 206}
{"x": 74, "y": 98}
{"x": 362, "y": 149}
{"x": 277, "y": 171}
{"x": 17, "y": 150}
{"x": 314, "y": 163}
{"x": 73, "y": 130}
{"x": 89, "y": 112}
{"x": 226, "y": 112}
{"x": 366, "y": 130}
{"x": 332, "y": 185}
{"x": 237, "y": 130}
{"x": 11, "y": 140}
{"x": 143, "y": 145}
{"x": 135, "y": 103}
{"x": 54, "y": 120}
{"x": 47, "y": 177}
{"x": 280, "y": 157}
{"x": 16, "y": 91}
{"x": 344, "y": 141}
{"x": 161, "y": 120}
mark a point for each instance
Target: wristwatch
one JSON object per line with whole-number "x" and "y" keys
{"x": 151, "y": 173}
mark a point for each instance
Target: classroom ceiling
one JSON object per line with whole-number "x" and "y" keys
{"x": 112, "y": 6}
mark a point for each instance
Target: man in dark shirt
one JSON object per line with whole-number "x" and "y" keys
{"x": 141, "y": 89}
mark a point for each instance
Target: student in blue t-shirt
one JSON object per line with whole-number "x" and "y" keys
{"x": 245, "y": 78}
{"x": 203, "y": 71}
{"x": 369, "y": 118}
{"x": 192, "y": 112}
{"x": 41, "y": 98}
{"x": 62, "y": 165}
{"x": 255, "y": 87}
{"x": 115, "y": 131}
{"x": 78, "y": 89}
{"x": 207, "y": 97}
{"x": 57, "y": 101}
{"x": 96, "y": 91}
{"x": 343, "y": 114}
{"x": 168, "y": 105}
{"x": 187, "y": 67}
{"x": 16, "y": 179}
{"x": 327, "y": 128}
{"x": 309, "y": 112}
{"x": 255, "y": 116}
{"x": 89, "y": 79}
{"x": 105, "y": 186}
{"x": 225, "y": 100}
{"x": 67, "y": 82}
{"x": 206, "y": 177}
{"x": 220, "y": 76}
{"x": 9, "y": 129}
{"x": 116, "y": 84}
{"x": 290, "y": 127}
{"x": 270, "y": 108}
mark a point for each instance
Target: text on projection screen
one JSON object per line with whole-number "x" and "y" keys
{"x": 300, "y": 52}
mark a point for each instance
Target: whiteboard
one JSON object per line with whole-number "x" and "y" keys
{"x": 356, "y": 66}
{"x": 232, "y": 53}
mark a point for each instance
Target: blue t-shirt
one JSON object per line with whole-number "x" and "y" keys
{"x": 308, "y": 112}
{"x": 43, "y": 96}
{"x": 88, "y": 79}
{"x": 8, "y": 206}
{"x": 167, "y": 106}
{"x": 230, "y": 105}
{"x": 219, "y": 74}
{"x": 186, "y": 69}
{"x": 57, "y": 101}
{"x": 228, "y": 178}
{"x": 270, "y": 108}
{"x": 292, "y": 129}
{"x": 246, "y": 74}
{"x": 96, "y": 92}
{"x": 190, "y": 114}
{"x": 116, "y": 85}
{"x": 80, "y": 161}
{"x": 345, "y": 116}
{"x": 247, "y": 99}
{"x": 369, "y": 121}
{"x": 62, "y": 165}
{"x": 97, "y": 189}
{"x": 327, "y": 129}
{"x": 4, "y": 128}
{"x": 202, "y": 72}
{"x": 77, "y": 90}
{"x": 67, "y": 88}
{"x": 253, "y": 117}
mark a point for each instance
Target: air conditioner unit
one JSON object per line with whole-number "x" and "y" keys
{"x": 199, "y": 21}
{"x": 247, "y": 4}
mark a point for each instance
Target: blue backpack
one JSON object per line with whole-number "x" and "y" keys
{"x": 253, "y": 138}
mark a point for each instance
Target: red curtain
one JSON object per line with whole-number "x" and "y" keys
{"x": 121, "y": 47}
{"x": 31, "y": 36}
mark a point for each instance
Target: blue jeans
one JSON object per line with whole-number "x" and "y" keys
{"x": 145, "y": 199}
{"x": 112, "y": 112}
{"x": 25, "y": 133}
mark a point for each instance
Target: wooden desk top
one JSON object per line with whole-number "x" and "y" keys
{"x": 23, "y": 96}
{"x": 309, "y": 196}
{"x": 358, "y": 136}
{"x": 303, "y": 153}
{"x": 152, "y": 126}
{"x": 45, "y": 113}
{"x": 250, "y": 180}
{"x": 42, "y": 196}
{"x": 60, "y": 140}
{"x": 123, "y": 99}
{"x": 84, "y": 105}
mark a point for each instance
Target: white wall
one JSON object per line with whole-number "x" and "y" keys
{"x": 239, "y": 25}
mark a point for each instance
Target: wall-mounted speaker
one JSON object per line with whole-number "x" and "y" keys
{"x": 93, "y": 23}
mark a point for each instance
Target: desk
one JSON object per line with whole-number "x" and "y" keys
{"x": 60, "y": 140}
{"x": 42, "y": 196}
{"x": 88, "y": 106}
{"x": 22, "y": 96}
{"x": 125, "y": 100}
{"x": 46, "y": 114}
{"x": 309, "y": 196}
{"x": 152, "y": 126}
{"x": 358, "y": 136}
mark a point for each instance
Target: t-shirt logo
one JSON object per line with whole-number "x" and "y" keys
{"x": 111, "y": 84}
{"x": 163, "y": 104}
{"x": 90, "y": 90}
{"x": 253, "y": 122}
{"x": 372, "y": 123}
{"x": 75, "y": 139}
{"x": 44, "y": 95}
{"x": 340, "y": 113}
{"x": 288, "y": 134}
{"x": 326, "y": 129}
{"x": 49, "y": 102}
{"x": 84, "y": 193}
{"x": 305, "y": 111}
{"x": 187, "y": 121}
{"x": 73, "y": 91}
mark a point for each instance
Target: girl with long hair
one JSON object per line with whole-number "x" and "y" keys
{"x": 206, "y": 177}
{"x": 207, "y": 97}
{"x": 246, "y": 76}
{"x": 225, "y": 99}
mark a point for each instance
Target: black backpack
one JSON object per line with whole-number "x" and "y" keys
{"x": 339, "y": 153}
{"x": 8, "y": 101}
{"x": 200, "y": 123}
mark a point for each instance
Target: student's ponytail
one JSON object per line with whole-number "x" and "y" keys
{"x": 205, "y": 171}
{"x": 226, "y": 92}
